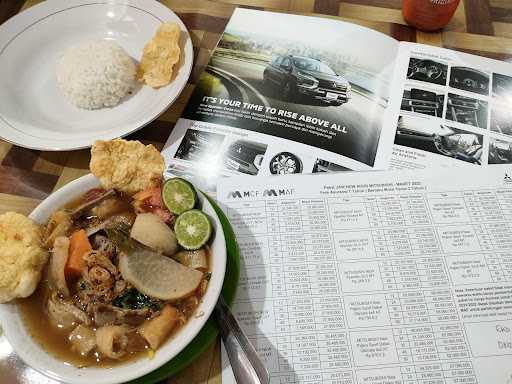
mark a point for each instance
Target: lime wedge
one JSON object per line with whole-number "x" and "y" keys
{"x": 178, "y": 195}
{"x": 193, "y": 229}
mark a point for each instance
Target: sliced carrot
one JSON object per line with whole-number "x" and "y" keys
{"x": 79, "y": 245}
{"x": 147, "y": 193}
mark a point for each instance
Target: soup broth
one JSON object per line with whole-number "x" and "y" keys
{"x": 55, "y": 340}
{"x": 100, "y": 290}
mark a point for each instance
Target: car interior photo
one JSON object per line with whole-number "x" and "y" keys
{"x": 199, "y": 145}
{"x": 502, "y": 86}
{"x": 500, "y": 152}
{"x": 501, "y": 121}
{"x": 423, "y": 101}
{"x": 461, "y": 146}
{"x": 427, "y": 70}
{"x": 469, "y": 79}
{"x": 466, "y": 110}
{"x": 323, "y": 166}
{"x": 431, "y": 136}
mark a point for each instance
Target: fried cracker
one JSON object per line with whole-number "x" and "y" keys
{"x": 128, "y": 166}
{"x": 160, "y": 55}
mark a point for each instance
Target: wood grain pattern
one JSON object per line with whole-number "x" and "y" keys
{"x": 502, "y": 29}
{"x": 327, "y": 7}
{"x": 482, "y": 27}
{"x": 389, "y": 4}
{"x": 371, "y": 12}
{"x": 478, "y": 17}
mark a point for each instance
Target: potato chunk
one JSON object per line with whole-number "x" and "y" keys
{"x": 149, "y": 229}
{"x": 83, "y": 339}
{"x": 112, "y": 340}
{"x": 193, "y": 259}
{"x": 159, "y": 276}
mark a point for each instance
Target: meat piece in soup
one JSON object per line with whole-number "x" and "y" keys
{"x": 85, "y": 311}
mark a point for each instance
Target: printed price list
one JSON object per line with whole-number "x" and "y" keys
{"x": 332, "y": 288}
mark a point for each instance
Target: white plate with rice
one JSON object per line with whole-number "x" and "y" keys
{"x": 38, "y": 86}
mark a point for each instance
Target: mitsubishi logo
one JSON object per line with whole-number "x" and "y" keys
{"x": 334, "y": 85}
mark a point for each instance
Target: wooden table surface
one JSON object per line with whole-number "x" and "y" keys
{"x": 483, "y": 27}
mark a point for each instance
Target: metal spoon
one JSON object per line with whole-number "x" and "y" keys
{"x": 245, "y": 362}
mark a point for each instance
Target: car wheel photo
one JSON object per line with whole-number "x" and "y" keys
{"x": 285, "y": 163}
{"x": 265, "y": 78}
{"x": 289, "y": 91}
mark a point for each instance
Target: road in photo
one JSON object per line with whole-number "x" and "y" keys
{"x": 301, "y": 79}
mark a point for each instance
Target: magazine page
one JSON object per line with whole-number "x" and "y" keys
{"x": 287, "y": 94}
{"x": 393, "y": 277}
{"x": 454, "y": 109}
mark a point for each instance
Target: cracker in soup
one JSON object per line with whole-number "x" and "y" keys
{"x": 128, "y": 166}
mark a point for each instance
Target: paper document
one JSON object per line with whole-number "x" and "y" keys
{"x": 376, "y": 277}
{"x": 298, "y": 96}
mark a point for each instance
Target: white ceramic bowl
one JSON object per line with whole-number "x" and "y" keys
{"x": 35, "y": 355}
{"x": 33, "y": 111}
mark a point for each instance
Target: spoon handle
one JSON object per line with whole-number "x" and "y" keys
{"x": 245, "y": 362}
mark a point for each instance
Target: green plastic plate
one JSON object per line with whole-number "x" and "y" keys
{"x": 209, "y": 332}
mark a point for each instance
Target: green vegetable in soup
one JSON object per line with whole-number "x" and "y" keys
{"x": 133, "y": 299}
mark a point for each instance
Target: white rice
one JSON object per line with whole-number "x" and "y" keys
{"x": 95, "y": 74}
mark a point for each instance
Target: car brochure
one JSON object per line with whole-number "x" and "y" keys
{"x": 391, "y": 277}
{"x": 288, "y": 94}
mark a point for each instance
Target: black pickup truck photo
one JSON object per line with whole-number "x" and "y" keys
{"x": 314, "y": 79}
